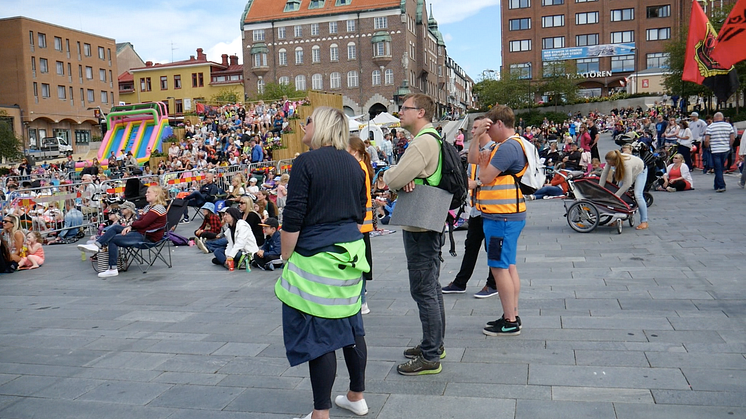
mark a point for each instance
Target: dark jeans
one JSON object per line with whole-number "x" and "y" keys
{"x": 212, "y": 245}
{"x": 548, "y": 190}
{"x": 472, "y": 247}
{"x": 706, "y": 159}
{"x": 194, "y": 199}
{"x": 220, "y": 256}
{"x": 718, "y": 162}
{"x": 686, "y": 152}
{"x": 114, "y": 239}
{"x": 423, "y": 264}
{"x": 324, "y": 369}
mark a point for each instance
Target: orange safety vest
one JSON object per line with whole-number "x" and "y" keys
{"x": 503, "y": 195}
{"x": 367, "y": 226}
{"x": 473, "y": 176}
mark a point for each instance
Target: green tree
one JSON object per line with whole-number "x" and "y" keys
{"x": 275, "y": 91}
{"x": 227, "y": 95}
{"x": 10, "y": 144}
{"x": 510, "y": 90}
{"x": 557, "y": 85}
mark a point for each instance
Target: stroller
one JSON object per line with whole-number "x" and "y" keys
{"x": 594, "y": 205}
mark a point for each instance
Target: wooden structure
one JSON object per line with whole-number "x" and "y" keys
{"x": 292, "y": 142}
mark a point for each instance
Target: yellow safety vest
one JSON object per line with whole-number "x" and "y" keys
{"x": 503, "y": 195}
{"x": 367, "y": 226}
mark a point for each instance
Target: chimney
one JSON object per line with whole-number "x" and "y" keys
{"x": 234, "y": 59}
{"x": 225, "y": 59}
{"x": 201, "y": 55}
{"x": 191, "y": 58}
{"x": 149, "y": 64}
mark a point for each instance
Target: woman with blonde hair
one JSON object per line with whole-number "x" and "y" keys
{"x": 13, "y": 237}
{"x": 677, "y": 177}
{"x": 628, "y": 170}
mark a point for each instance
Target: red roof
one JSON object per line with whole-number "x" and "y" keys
{"x": 125, "y": 77}
{"x": 181, "y": 63}
{"x": 266, "y": 10}
{"x": 233, "y": 69}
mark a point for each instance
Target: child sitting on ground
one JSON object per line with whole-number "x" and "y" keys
{"x": 270, "y": 250}
{"x": 35, "y": 253}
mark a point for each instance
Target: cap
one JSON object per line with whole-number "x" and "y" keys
{"x": 209, "y": 206}
{"x": 127, "y": 204}
{"x": 224, "y": 209}
{"x": 694, "y": 114}
{"x": 277, "y": 178}
{"x": 252, "y": 180}
{"x": 271, "y": 222}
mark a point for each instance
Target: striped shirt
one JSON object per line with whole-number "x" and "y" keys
{"x": 720, "y": 133}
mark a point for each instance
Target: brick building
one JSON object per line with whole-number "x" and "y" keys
{"x": 608, "y": 41}
{"x": 55, "y": 75}
{"x": 373, "y": 52}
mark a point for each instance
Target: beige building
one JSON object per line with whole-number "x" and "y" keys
{"x": 57, "y": 76}
{"x": 127, "y": 57}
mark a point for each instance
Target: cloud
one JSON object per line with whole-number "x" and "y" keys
{"x": 449, "y": 11}
{"x": 233, "y": 48}
{"x": 447, "y": 37}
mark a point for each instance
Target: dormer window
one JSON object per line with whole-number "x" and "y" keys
{"x": 343, "y": 2}
{"x": 316, "y": 4}
{"x": 292, "y": 6}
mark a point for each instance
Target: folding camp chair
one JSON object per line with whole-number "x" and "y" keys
{"x": 145, "y": 253}
{"x": 134, "y": 191}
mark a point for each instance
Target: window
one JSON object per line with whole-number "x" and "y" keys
{"x": 552, "y": 43}
{"x": 586, "y": 40}
{"x": 58, "y": 44}
{"x": 164, "y": 82}
{"x": 317, "y": 82}
{"x": 89, "y": 94}
{"x": 260, "y": 59}
{"x": 102, "y": 75}
{"x": 82, "y": 97}
{"x": 60, "y": 68}
{"x": 314, "y": 29}
{"x": 657, "y": 60}
{"x": 298, "y": 31}
{"x": 586, "y": 18}
{"x": 519, "y": 4}
{"x": 584, "y": 1}
{"x": 300, "y": 83}
{"x": 552, "y": 21}
{"x": 316, "y": 4}
{"x": 388, "y": 77}
{"x": 177, "y": 81}
{"x": 33, "y": 66}
{"x": 380, "y": 22}
{"x": 335, "y": 80}
{"x": 553, "y": 68}
{"x": 36, "y": 92}
{"x": 519, "y": 24}
{"x": 623, "y": 63}
{"x": 258, "y": 35}
{"x": 298, "y": 55}
{"x": 332, "y": 27}
{"x": 89, "y": 73}
{"x": 350, "y": 26}
{"x": 42, "y": 42}
{"x": 376, "y": 78}
{"x": 179, "y": 106}
{"x": 658, "y": 34}
{"x": 521, "y": 71}
{"x": 80, "y": 73}
{"x": 351, "y": 51}
{"x": 145, "y": 84}
{"x": 352, "y": 79}
{"x": 101, "y": 54}
{"x": 87, "y": 50}
{"x": 658, "y": 11}
{"x": 45, "y": 90}
{"x": 585, "y": 65}
{"x": 201, "y": 80}
{"x": 67, "y": 47}
{"x": 104, "y": 96}
{"x": 522, "y": 45}
{"x": 281, "y": 33}
{"x": 625, "y": 36}
{"x": 315, "y": 54}
{"x": 194, "y": 80}
{"x": 282, "y": 57}
{"x": 31, "y": 40}
{"x": 622, "y": 14}
{"x": 43, "y": 66}
{"x": 260, "y": 86}
{"x": 78, "y": 50}
{"x": 552, "y": 2}
{"x": 284, "y": 80}
{"x": 72, "y": 101}
{"x": 111, "y": 79}
{"x": 82, "y": 136}
{"x": 61, "y": 92}
{"x": 108, "y": 54}
{"x": 382, "y": 49}
{"x": 333, "y": 52}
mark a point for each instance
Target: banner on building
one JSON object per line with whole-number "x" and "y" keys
{"x": 732, "y": 37}
{"x": 593, "y": 51}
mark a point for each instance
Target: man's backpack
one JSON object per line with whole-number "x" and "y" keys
{"x": 534, "y": 177}
{"x": 453, "y": 177}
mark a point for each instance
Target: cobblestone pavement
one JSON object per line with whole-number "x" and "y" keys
{"x": 643, "y": 324}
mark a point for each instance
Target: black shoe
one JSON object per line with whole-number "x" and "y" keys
{"x": 413, "y": 353}
{"x": 452, "y": 288}
{"x": 419, "y": 366}
{"x": 494, "y": 322}
{"x": 216, "y": 261}
{"x": 503, "y": 328}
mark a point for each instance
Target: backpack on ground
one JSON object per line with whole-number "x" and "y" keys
{"x": 534, "y": 177}
{"x": 177, "y": 239}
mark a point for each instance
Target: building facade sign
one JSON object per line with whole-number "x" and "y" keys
{"x": 605, "y": 50}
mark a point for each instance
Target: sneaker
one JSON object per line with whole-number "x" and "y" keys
{"x": 216, "y": 261}
{"x": 185, "y": 221}
{"x": 486, "y": 292}
{"x": 494, "y": 322}
{"x": 419, "y": 366}
{"x": 529, "y": 197}
{"x": 452, "y": 288}
{"x": 671, "y": 189}
{"x": 741, "y": 185}
{"x": 413, "y": 353}
{"x": 359, "y": 407}
{"x": 89, "y": 247}
{"x": 271, "y": 267}
{"x": 503, "y": 328}
{"x": 308, "y": 416}
{"x": 720, "y": 190}
{"x": 364, "y": 310}
{"x": 201, "y": 245}
{"x": 108, "y": 273}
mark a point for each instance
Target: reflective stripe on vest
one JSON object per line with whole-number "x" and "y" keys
{"x": 327, "y": 284}
{"x": 434, "y": 179}
{"x": 502, "y": 195}
{"x": 473, "y": 192}
{"x": 367, "y": 226}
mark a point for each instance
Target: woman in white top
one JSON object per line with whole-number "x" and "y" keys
{"x": 628, "y": 170}
{"x": 685, "y": 143}
{"x": 670, "y": 136}
{"x": 240, "y": 240}
{"x": 677, "y": 177}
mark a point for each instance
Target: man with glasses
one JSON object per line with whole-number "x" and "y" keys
{"x": 421, "y": 246}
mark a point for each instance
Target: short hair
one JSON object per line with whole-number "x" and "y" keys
{"x": 503, "y": 114}
{"x": 422, "y": 101}
{"x": 160, "y": 195}
{"x": 480, "y": 117}
{"x": 330, "y": 128}
{"x": 719, "y": 115}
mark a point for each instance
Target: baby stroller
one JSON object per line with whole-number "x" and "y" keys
{"x": 594, "y": 205}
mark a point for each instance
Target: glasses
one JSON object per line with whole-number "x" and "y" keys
{"x": 404, "y": 108}
{"x": 7, "y": 221}
{"x": 309, "y": 120}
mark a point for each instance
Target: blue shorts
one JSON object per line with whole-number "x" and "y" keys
{"x": 501, "y": 238}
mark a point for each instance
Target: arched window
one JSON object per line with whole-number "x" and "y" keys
{"x": 317, "y": 82}
{"x": 352, "y": 79}
{"x": 335, "y": 80}
{"x": 282, "y": 58}
{"x": 299, "y": 55}
{"x": 351, "y": 51}
{"x": 284, "y": 80}
{"x": 260, "y": 86}
{"x": 315, "y": 54}
{"x": 333, "y": 52}
{"x": 376, "y": 78}
{"x": 300, "y": 83}
{"x": 389, "y": 77}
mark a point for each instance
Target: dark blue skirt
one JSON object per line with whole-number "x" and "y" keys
{"x": 308, "y": 337}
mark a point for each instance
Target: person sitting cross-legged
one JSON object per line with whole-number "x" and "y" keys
{"x": 210, "y": 228}
{"x": 270, "y": 250}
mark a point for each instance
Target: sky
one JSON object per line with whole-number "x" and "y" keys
{"x": 162, "y": 30}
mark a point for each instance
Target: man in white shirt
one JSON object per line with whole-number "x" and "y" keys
{"x": 719, "y": 137}
{"x": 388, "y": 148}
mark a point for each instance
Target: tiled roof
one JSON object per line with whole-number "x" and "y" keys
{"x": 229, "y": 70}
{"x": 125, "y": 77}
{"x": 181, "y": 63}
{"x": 266, "y": 10}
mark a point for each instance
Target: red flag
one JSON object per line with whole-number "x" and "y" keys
{"x": 732, "y": 37}
{"x": 699, "y": 66}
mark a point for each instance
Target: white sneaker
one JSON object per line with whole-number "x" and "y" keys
{"x": 201, "y": 244}
{"x": 108, "y": 273}
{"x": 359, "y": 407}
{"x": 308, "y": 416}
{"x": 91, "y": 248}
{"x": 364, "y": 308}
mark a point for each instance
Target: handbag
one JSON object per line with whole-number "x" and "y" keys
{"x": 101, "y": 261}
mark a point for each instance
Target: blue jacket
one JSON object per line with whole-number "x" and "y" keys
{"x": 257, "y": 155}
{"x": 271, "y": 246}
